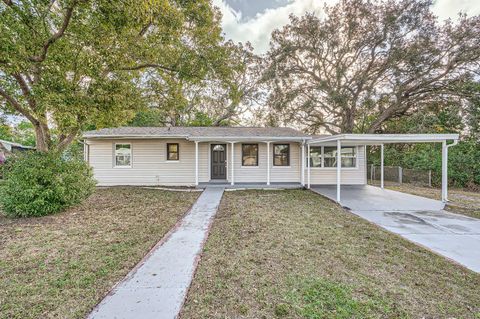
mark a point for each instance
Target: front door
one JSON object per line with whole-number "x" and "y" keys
{"x": 219, "y": 161}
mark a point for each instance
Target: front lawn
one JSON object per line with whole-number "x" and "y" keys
{"x": 61, "y": 266}
{"x": 294, "y": 254}
{"x": 460, "y": 201}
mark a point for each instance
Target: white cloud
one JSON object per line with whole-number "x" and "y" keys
{"x": 450, "y": 8}
{"x": 258, "y": 29}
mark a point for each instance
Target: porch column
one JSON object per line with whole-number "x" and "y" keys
{"x": 444, "y": 171}
{"x": 303, "y": 164}
{"x": 268, "y": 163}
{"x": 232, "y": 163}
{"x": 339, "y": 168}
{"x": 381, "y": 167}
{"x": 308, "y": 166}
{"x": 196, "y": 163}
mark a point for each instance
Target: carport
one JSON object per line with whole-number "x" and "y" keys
{"x": 379, "y": 140}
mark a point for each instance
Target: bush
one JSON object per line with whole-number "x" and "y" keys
{"x": 38, "y": 184}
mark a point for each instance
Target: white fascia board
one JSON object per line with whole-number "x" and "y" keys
{"x": 86, "y": 136}
{"x": 387, "y": 138}
{"x": 247, "y": 138}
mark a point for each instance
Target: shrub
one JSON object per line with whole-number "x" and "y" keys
{"x": 38, "y": 184}
{"x": 463, "y": 161}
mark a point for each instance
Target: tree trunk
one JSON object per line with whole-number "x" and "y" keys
{"x": 40, "y": 139}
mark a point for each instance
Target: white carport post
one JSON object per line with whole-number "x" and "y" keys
{"x": 381, "y": 167}
{"x": 444, "y": 170}
{"x": 339, "y": 168}
{"x": 308, "y": 166}
{"x": 232, "y": 162}
{"x": 196, "y": 163}
{"x": 268, "y": 163}
{"x": 303, "y": 164}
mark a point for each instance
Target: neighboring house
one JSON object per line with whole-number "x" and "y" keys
{"x": 7, "y": 148}
{"x": 192, "y": 156}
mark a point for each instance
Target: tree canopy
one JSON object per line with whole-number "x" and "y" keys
{"x": 68, "y": 63}
{"x": 366, "y": 63}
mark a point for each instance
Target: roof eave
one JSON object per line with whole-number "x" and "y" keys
{"x": 387, "y": 138}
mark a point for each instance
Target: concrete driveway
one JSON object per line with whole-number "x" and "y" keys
{"x": 418, "y": 219}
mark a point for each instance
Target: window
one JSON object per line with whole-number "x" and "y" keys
{"x": 249, "y": 154}
{"x": 315, "y": 156}
{"x": 173, "y": 152}
{"x": 348, "y": 156}
{"x": 281, "y": 154}
{"x": 219, "y": 147}
{"x": 123, "y": 155}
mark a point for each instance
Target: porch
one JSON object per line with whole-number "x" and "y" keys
{"x": 227, "y": 185}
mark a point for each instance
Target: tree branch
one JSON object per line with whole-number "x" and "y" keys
{"x": 146, "y": 66}
{"x": 57, "y": 35}
{"x": 65, "y": 140}
{"x": 17, "y": 106}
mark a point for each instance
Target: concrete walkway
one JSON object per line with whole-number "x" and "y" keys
{"x": 418, "y": 219}
{"x": 157, "y": 287}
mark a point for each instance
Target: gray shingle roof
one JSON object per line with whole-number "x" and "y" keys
{"x": 193, "y": 132}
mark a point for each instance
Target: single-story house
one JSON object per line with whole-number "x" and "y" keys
{"x": 196, "y": 156}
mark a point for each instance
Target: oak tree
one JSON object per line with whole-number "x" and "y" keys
{"x": 68, "y": 63}
{"x": 365, "y": 63}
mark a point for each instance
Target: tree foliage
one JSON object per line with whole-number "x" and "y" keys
{"x": 221, "y": 97}
{"x": 68, "y": 63}
{"x": 366, "y": 63}
{"x": 463, "y": 161}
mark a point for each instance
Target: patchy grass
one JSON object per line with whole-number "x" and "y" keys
{"x": 294, "y": 254}
{"x": 61, "y": 266}
{"x": 460, "y": 201}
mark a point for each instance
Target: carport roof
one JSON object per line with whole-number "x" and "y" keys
{"x": 375, "y": 139}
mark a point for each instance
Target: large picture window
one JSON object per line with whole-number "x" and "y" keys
{"x": 173, "y": 152}
{"x": 348, "y": 156}
{"x": 123, "y": 155}
{"x": 281, "y": 155}
{"x": 249, "y": 154}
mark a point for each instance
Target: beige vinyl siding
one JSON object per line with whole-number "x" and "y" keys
{"x": 149, "y": 163}
{"x": 289, "y": 173}
{"x": 250, "y": 174}
{"x": 349, "y": 176}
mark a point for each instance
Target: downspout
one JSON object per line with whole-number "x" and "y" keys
{"x": 86, "y": 151}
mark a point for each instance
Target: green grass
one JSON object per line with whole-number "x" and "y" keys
{"x": 294, "y": 254}
{"x": 62, "y": 265}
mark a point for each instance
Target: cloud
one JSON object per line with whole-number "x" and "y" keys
{"x": 445, "y": 9}
{"x": 258, "y": 29}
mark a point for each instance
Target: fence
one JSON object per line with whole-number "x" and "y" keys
{"x": 400, "y": 175}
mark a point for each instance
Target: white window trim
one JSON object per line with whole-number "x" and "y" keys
{"x": 356, "y": 167}
{"x": 115, "y": 156}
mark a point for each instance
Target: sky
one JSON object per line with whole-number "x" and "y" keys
{"x": 254, "y": 20}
